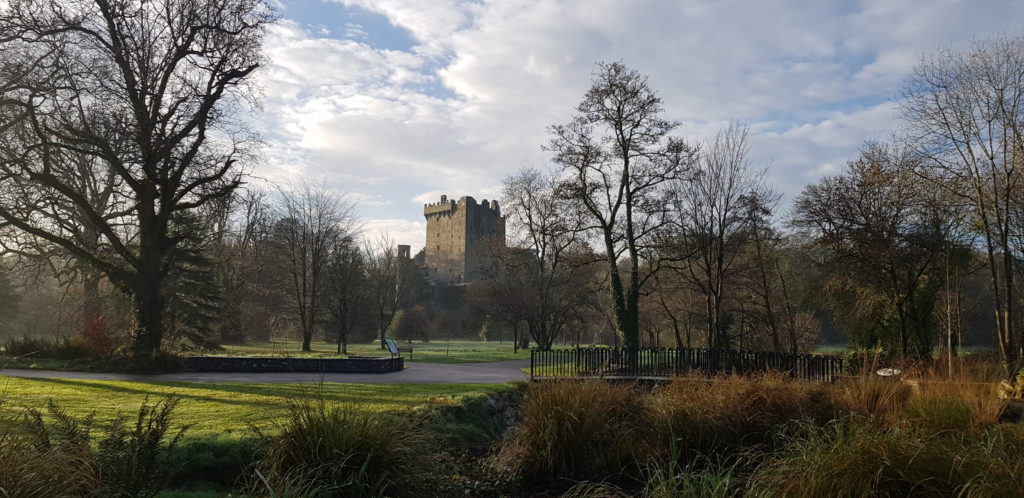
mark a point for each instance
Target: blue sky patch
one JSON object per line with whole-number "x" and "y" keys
{"x": 336, "y": 20}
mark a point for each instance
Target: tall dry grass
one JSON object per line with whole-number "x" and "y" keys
{"x": 577, "y": 431}
{"x": 853, "y": 457}
{"x": 932, "y": 433}
{"x": 696, "y": 416}
{"x": 324, "y": 449}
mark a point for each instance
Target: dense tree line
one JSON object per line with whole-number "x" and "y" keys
{"x": 124, "y": 203}
{"x": 672, "y": 242}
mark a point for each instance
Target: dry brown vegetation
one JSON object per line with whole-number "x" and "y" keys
{"x": 928, "y": 434}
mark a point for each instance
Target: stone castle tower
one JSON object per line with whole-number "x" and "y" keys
{"x": 459, "y": 235}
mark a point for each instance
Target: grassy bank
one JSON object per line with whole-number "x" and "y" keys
{"x": 229, "y": 426}
{"x": 221, "y": 409}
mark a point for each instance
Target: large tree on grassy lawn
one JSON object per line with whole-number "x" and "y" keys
{"x": 146, "y": 90}
{"x": 311, "y": 221}
{"x": 617, "y": 157}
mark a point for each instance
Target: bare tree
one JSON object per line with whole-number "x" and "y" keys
{"x": 548, "y": 256}
{"x": 247, "y": 273}
{"x": 347, "y": 295}
{"x": 144, "y": 92}
{"x": 501, "y": 295}
{"x": 617, "y": 157}
{"x": 311, "y": 221}
{"x": 965, "y": 110}
{"x": 713, "y": 221}
{"x": 759, "y": 209}
{"x": 391, "y": 281}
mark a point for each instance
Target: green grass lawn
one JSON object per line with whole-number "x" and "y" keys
{"x": 219, "y": 409}
{"x": 457, "y": 351}
{"x": 221, "y": 416}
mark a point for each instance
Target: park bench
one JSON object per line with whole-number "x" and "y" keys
{"x": 397, "y": 351}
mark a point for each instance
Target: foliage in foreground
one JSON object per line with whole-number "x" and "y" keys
{"x": 324, "y": 449}
{"x": 573, "y": 430}
{"x": 852, "y": 458}
{"x": 53, "y": 454}
{"x": 767, "y": 436}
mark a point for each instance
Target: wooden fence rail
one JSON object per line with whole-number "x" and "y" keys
{"x": 657, "y": 363}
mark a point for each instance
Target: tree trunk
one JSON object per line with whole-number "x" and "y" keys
{"x": 772, "y": 325}
{"x": 712, "y": 325}
{"x": 790, "y": 317}
{"x": 92, "y": 307}
{"x": 148, "y": 312}
{"x": 619, "y": 307}
{"x": 307, "y": 339}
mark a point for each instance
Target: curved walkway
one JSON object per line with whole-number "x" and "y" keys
{"x": 414, "y": 373}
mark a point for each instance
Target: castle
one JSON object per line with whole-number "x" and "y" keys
{"x": 459, "y": 236}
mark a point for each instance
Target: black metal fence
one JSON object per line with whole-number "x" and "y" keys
{"x": 654, "y": 363}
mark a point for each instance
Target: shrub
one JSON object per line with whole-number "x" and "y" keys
{"x": 671, "y": 480}
{"x": 159, "y": 362}
{"x": 935, "y": 413}
{"x": 702, "y": 479}
{"x": 863, "y": 360}
{"x": 97, "y": 339}
{"x": 36, "y": 461}
{"x": 339, "y": 450}
{"x": 573, "y": 431}
{"x": 217, "y": 462}
{"x": 60, "y": 349}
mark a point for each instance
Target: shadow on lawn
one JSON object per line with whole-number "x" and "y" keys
{"x": 398, "y": 396}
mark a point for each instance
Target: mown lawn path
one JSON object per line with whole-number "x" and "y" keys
{"x": 414, "y": 373}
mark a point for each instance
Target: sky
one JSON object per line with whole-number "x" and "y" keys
{"x": 396, "y": 102}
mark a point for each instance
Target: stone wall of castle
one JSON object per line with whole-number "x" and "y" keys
{"x": 459, "y": 235}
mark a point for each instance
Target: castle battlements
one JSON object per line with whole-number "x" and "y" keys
{"x": 459, "y": 236}
{"x": 465, "y": 202}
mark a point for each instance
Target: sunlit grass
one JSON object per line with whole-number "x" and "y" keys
{"x": 456, "y": 351}
{"x": 217, "y": 409}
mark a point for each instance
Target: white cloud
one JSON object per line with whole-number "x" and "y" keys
{"x": 470, "y": 103}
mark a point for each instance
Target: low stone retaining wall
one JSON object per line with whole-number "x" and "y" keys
{"x": 280, "y": 364}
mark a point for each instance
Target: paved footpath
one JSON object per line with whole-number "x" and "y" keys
{"x": 414, "y": 373}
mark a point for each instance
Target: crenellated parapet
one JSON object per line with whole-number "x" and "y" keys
{"x": 459, "y": 235}
{"x": 450, "y": 206}
{"x": 443, "y": 207}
